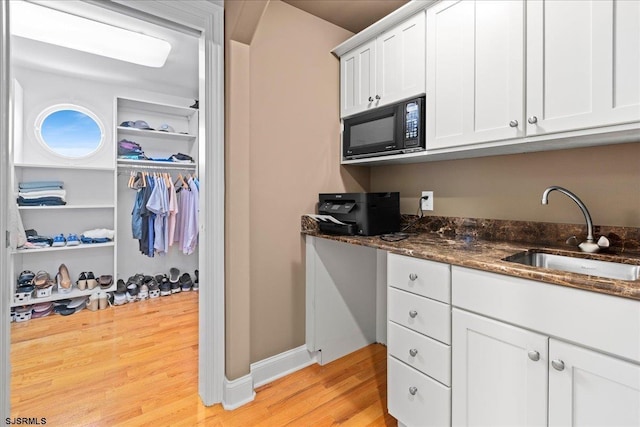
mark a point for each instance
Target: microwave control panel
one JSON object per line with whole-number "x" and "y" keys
{"x": 412, "y": 121}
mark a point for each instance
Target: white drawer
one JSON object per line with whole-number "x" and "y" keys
{"x": 422, "y": 277}
{"x": 424, "y": 315}
{"x": 430, "y": 405}
{"x": 431, "y": 357}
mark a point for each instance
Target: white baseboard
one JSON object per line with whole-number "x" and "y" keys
{"x": 237, "y": 392}
{"x": 272, "y": 368}
{"x": 240, "y": 391}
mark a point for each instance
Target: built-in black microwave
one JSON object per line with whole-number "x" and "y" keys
{"x": 393, "y": 129}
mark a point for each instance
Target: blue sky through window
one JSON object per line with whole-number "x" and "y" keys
{"x": 71, "y": 133}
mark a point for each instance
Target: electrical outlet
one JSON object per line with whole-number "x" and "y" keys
{"x": 427, "y": 205}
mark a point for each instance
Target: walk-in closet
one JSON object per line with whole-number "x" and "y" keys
{"x": 107, "y": 162}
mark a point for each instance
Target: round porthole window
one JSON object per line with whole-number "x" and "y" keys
{"x": 69, "y": 131}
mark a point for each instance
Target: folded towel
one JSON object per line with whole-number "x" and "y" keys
{"x": 36, "y": 184}
{"x": 41, "y": 201}
{"x": 31, "y": 190}
{"x": 98, "y": 233}
{"x": 44, "y": 193}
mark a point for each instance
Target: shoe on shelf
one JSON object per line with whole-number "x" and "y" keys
{"x": 93, "y": 304}
{"x": 41, "y": 279}
{"x": 73, "y": 240}
{"x": 196, "y": 283}
{"x": 121, "y": 287}
{"x": 103, "y": 300}
{"x": 26, "y": 277}
{"x": 105, "y": 281}
{"x": 165, "y": 287}
{"x": 82, "y": 281}
{"x": 132, "y": 289}
{"x": 91, "y": 280}
{"x": 174, "y": 275}
{"x": 185, "y": 282}
{"x": 63, "y": 278}
{"x": 59, "y": 240}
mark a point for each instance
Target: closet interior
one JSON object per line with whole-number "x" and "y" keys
{"x": 93, "y": 136}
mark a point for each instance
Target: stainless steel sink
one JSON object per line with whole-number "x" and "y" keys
{"x": 592, "y": 267}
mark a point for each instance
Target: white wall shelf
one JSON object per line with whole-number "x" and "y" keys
{"x": 55, "y": 295}
{"x": 83, "y": 246}
{"x": 63, "y": 166}
{"x": 29, "y": 208}
{"x": 122, "y": 130}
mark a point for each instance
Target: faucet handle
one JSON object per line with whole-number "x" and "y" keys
{"x": 573, "y": 241}
{"x": 603, "y": 242}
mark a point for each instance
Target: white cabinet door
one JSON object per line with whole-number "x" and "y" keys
{"x": 499, "y": 373}
{"x": 357, "y": 79}
{"x": 590, "y": 388}
{"x": 583, "y": 64}
{"x": 400, "y": 61}
{"x": 475, "y": 72}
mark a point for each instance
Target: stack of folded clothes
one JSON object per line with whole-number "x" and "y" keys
{"x": 41, "y": 193}
{"x": 130, "y": 150}
{"x": 97, "y": 235}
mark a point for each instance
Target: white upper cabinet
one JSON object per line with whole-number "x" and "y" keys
{"x": 384, "y": 70}
{"x": 400, "y": 61}
{"x": 357, "y": 78}
{"x": 475, "y": 72}
{"x": 583, "y": 64}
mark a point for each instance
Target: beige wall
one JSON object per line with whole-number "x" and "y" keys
{"x": 237, "y": 210}
{"x": 294, "y": 155}
{"x": 607, "y": 180}
{"x": 282, "y": 149}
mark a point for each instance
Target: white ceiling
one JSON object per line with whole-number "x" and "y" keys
{"x": 179, "y": 76}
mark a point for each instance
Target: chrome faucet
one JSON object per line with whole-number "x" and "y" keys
{"x": 589, "y": 245}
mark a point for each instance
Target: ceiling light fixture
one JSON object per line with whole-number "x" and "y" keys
{"x": 52, "y": 26}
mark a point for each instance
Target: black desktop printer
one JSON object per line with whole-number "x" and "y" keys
{"x": 366, "y": 214}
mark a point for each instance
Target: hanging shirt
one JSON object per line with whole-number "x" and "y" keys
{"x": 190, "y": 236}
{"x": 136, "y": 218}
{"x": 144, "y": 214}
{"x": 173, "y": 211}
{"x": 158, "y": 205}
{"x": 150, "y": 220}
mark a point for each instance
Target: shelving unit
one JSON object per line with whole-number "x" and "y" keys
{"x": 91, "y": 203}
{"x": 155, "y": 144}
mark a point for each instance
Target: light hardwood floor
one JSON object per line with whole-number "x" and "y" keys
{"x": 137, "y": 365}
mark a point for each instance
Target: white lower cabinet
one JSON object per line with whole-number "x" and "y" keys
{"x": 499, "y": 373}
{"x": 591, "y": 388}
{"x": 419, "y": 337}
{"x": 512, "y": 365}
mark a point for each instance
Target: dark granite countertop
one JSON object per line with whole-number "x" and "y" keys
{"x": 468, "y": 249}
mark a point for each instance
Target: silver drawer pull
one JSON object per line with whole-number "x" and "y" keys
{"x": 558, "y": 365}
{"x": 413, "y": 277}
{"x": 534, "y": 355}
{"x": 413, "y": 352}
{"x": 413, "y": 314}
{"x": 413, "y": 391}
{"x": 513, "y": 123}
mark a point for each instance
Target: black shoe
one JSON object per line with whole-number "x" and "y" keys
{"x": 185, "y": 282}
{"x": 196, "y": 283}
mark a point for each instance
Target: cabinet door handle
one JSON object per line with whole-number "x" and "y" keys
{"x": 534, "y": 355}
{"x": 413, "y": 352}
{"x": 532, "y": 120}
{"x": 558, "y": 365}
{"x": 413, "y": 277}
{"x": 413, "y": 391}
{"x": 413, "y": 314}
{"x": 377, "y": 97}
{"x": 370, "y": 99}
{"x": 513, "y": 123}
